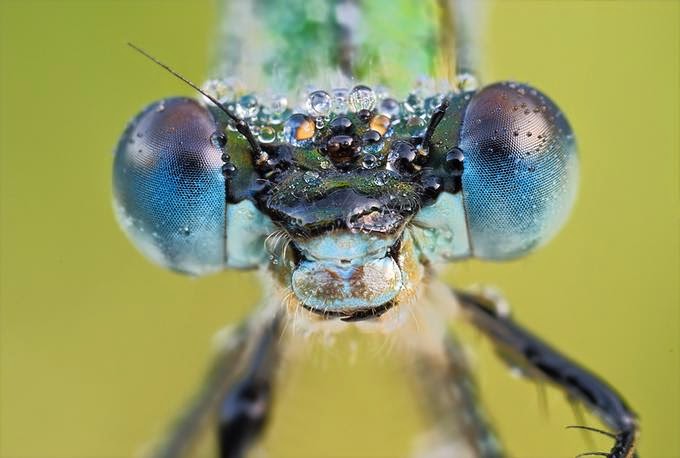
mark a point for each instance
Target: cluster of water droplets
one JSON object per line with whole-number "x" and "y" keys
{"x": 268, "y": 114}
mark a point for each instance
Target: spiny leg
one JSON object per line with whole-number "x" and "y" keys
{"x": 246, "y": 405}
{"x": 579, "y": 383}
{"x": 451, "y": 394}
{"x": 236, "y": 393}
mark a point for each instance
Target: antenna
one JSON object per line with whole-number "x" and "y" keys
{"x": 240, "y": 125}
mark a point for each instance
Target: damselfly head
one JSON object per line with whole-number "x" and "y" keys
{"x": 348, "y": 198}
{"x": 344, "y": 186}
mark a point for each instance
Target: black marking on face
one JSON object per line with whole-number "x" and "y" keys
{"x": 353, "y": 316}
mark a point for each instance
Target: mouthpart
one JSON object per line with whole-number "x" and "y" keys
{"x": 351, "y": 276}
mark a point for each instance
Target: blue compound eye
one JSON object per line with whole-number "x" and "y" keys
{"x": 169, "y": 192}
{"x": 509, "y": 160}
{"x": 520, "y": 170}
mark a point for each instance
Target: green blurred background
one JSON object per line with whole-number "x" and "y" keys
{"x": 99, "y": 348}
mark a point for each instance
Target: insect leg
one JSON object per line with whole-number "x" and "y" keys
{"x": 235, "y": 393}
{"x": 451, "y": 395}
{"x": 576, "y": 381}
{"x": 247, "y": 403}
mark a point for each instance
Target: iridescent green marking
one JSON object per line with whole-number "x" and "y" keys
{"x": 286, "y": 46}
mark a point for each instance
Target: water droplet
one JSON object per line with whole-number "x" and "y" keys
{"x": 515, "y": 133}
{"x": 298, "y": 128}
{"x": 454, "y": 161}
{"x": 415, "y": 126}
{"x": 380, "y": 92}
{"x": 267, "y": 134}
{"x": 369, "y": 161}
{"x": 380, "y": 179}
{"x": 211, "y": 87}
{"x": 218, "y": 140}
{"x": 389, "y": 107}
{"x": 319, "y": 103}
{"x": 247, "y": 106}
{"x": 278, "y": 104}
{"x": 223, "y": 90}
{"x": 228, "y": 169}
{"x": 371, "y": 137}
{"x": 340, "y": 100}
{"x": 161, "y": 106}
{"x": 529, "y": 134}
{"x": 185, "y": 231}
{"x": 362, "y": 98}
{"x": 413, "y": 103}
{"x": 311, "y": 178}
{"x": 380, "y": 124}
{"x": 432, "y": 103}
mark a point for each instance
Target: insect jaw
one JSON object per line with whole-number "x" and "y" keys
{"x": 353, "y": 315}
{"x": 346, "y": 274}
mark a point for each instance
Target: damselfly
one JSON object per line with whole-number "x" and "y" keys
{"x": 311, "y": 158}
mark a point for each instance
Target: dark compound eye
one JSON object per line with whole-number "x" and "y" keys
{"x": 521, "y": 169}
{"x": 169, "y": 191}
{"x": 168, "y": 186}
{"x": 514, "y": 153}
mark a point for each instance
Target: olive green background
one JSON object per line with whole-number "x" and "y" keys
{"x": 99, "y": 348}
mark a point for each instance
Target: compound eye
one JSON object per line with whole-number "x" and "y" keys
{"x": 169, "y": 192}
{"x": 520, "y": 170}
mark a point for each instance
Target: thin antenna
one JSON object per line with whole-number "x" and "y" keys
{"x": 240, "y": 125}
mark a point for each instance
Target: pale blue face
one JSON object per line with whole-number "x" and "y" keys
{"x": 347, "y": 208}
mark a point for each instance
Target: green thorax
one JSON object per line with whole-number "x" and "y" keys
{"x": 288, "y": 47}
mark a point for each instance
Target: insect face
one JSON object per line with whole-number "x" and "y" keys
{"x": 346, "y": 203}
{"x": 344, "y": 190}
